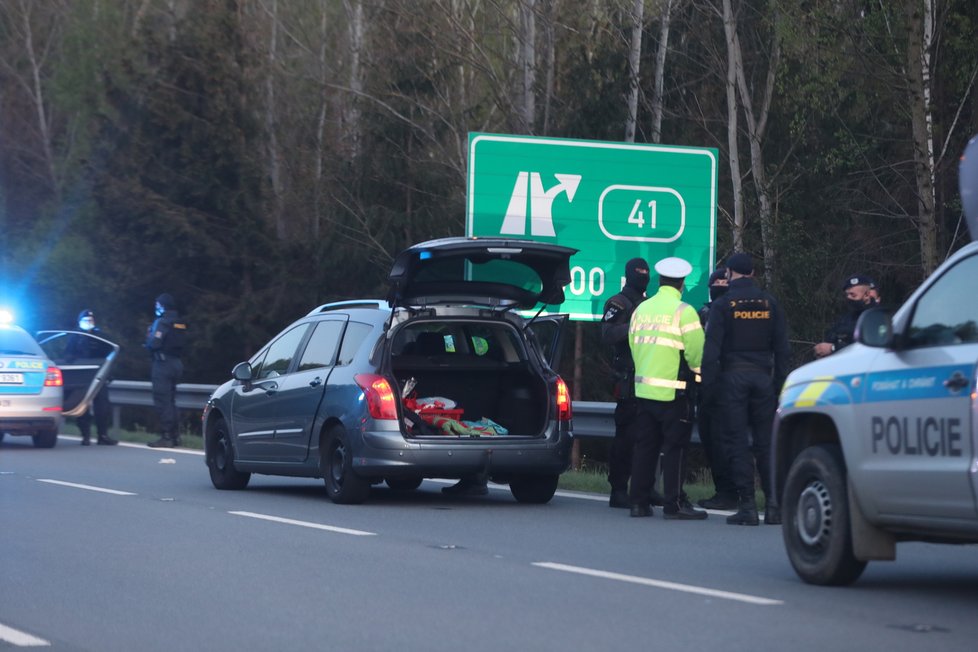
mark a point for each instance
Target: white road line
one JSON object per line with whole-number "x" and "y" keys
{"x": 314, "y": 526}
{"x": 672, "y": 586}
{"x": 87, "y": 487}
{"x": 21, "y": 639}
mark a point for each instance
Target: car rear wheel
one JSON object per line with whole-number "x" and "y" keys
{"x": 404, "y": 482}
{"x": 220, "y": 459}
{"x": 45, "y": 439}
{"x": 343, "y": 486}
{"x": 817, "y": 531}
{"x": 534, "y": 489}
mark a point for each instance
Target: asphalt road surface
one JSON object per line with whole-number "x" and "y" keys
{"x": 129, "y": 548}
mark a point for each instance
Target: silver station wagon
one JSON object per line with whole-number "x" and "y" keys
{"x": 452, "y": 375}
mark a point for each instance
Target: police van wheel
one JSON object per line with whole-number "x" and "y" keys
{"x": 343, "y": 485}
{"x": 220, "y": 459}
{"x": 534, "y": 489}
{"x": 45, "y": 439}
{"x": 817, "y": 531}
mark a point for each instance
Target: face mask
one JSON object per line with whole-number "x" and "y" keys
{"x": 856, "y": 305}
{"x": 86, "y": 324}
{"x": 717, "y": 291}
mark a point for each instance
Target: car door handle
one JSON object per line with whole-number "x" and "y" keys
{"x": 316, "y": 382}
{"x": 957, "y": 382}
{"x": 271, "y": 389}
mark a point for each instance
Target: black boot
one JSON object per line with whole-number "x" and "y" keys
{"x": 105, "y": 440}
{"x": 719, "y": 501}
{"x": 746, "y": 513}
{"x": 468, "y": 486}
{"x": 619, "y": 498}
{"x": 86, "y": 439}
{"x": 772, "y": 514}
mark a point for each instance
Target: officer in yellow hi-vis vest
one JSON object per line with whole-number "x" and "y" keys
{"x": 666, "y": 340}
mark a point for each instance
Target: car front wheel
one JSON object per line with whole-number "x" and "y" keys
{"x": 220, "y": 459}
{"x": 534, "y": 489}
{"x": 816, "y": 529}
{"x": 343, "y": 486}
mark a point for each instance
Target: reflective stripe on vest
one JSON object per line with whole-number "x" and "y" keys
{"x": 661, "y": 382}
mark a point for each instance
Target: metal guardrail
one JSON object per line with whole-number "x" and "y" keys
{"x": 591, "y": 419}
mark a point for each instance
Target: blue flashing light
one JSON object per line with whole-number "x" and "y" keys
{"x": 6, "y": 316}
{"x": 424, "y": 255}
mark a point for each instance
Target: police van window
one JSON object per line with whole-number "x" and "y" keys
{"x": 281, "y": 352}
{"x": 352, "y": 339}
{"x": 940, "y": 317}
{"x": 322, "y": 345}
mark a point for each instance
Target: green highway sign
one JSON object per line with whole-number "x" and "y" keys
{"x": 613, "y": 201}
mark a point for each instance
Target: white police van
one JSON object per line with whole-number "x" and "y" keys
{"x": 878, "y": 443}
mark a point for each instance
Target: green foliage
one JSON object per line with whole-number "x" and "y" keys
{"x": 160, "y": 135}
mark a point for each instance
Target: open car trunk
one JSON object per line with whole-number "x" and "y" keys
{"x": 468, "y": 379}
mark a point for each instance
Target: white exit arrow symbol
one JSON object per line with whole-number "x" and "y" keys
{"x": 541, "y": 203}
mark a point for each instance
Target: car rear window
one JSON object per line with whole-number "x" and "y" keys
{"x": 494, "y": 270}
{"x": 18, "y": 342}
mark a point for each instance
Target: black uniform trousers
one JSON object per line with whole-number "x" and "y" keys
{"x": 710, "y": 424}
{"x": 659, "y": 427}
{"x": 748, "y": 403}
{"x": 101, "y": 407}
{"x": 620, "y": 452}
{"x": 165, "y": 374}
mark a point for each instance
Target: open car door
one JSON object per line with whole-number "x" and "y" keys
{"x": 85, "y": 361}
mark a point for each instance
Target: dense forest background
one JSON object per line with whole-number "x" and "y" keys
{"x": 256, "y": 158}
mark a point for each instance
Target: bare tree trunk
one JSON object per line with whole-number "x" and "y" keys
{"x": 634, "y": 62}
{"x": 756, "y": 127}
{"x": 660, "y": 71}
{"x": 274, "y": 168}
{"x": 36, "y": 92}
{"x": 551, "y": 54}
{"x": 527, "y": 49}
{"x": 354, "y": 13}
{"x": 733, "y": 151}
{"x": 919, "y": 76}
{"x": 320, "y": 125}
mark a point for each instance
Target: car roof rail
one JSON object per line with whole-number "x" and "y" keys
{"x": 373, "y": 304}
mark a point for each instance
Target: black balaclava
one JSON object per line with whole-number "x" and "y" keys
{"x": 637, "y": 274}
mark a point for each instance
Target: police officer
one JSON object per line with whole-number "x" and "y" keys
{"x": 745, "y": 363}
{"x": 710, "y": 420}
{"x": 165, "y": 341}
{"x": 861, "y": 293}
{"x": 665, "y": 338}
{"x": 79, "y": 346}
{"x": 614, "y": 332}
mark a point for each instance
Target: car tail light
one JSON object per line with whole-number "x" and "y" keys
{"x": 53, "y": 378}
{"x": 564, "y": 411}
{"x": 380, "y": 397}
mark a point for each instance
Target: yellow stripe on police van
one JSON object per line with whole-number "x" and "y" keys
{"x": 812, "y": 393}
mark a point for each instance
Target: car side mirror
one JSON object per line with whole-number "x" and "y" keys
{"x": 243, "y": 372}
{"x": 875, "y": 328}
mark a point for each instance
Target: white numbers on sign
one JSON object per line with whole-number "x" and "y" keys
{"x": 592, "y": 282}
{"x": 637, "y": 217}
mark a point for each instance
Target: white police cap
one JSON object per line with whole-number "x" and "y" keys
{"x": 673, "y": 268}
